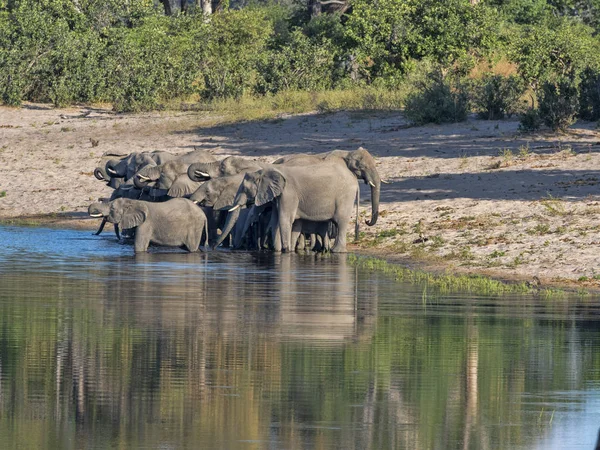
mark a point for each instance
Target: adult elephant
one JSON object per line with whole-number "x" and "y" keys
{"x": 219, "y": 194}
{"x": 177, "y": 222}
{"x": 231, "y": 165}
{"x": 317, "y": 193}
{"x": 360, "y": 162}
{"x": 173, "y": 174}
{"x": 128, "y": 166}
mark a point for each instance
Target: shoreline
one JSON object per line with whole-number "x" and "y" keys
{"x": 475, "y": 197}
{"x": 383, "y": 261}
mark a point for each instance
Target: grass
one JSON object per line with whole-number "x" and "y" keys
{"x": 2, "y": 194}
{"x": 250, "y": 108}
{"x": 451, "y": 283}
{"x": 554, "y": 206}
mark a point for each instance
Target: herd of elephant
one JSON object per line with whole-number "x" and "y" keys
{"x": 184, "y": 200}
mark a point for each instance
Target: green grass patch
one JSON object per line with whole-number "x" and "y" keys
{"x": 450, "y": 283}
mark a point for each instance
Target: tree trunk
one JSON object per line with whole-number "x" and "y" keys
{"x": 206, "y": 6}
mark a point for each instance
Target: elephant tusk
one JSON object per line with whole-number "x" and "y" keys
{"x": 111, "y": 171}
{"x": 199, "y": 173}
{"x": 386, "y": 182}
{"x": 234, "y": 208}
{"x": 96, "y": 215}
{"x": 196, "y": 202}
{"x": 143, "y": 178}
{"x": 372, "y": 184}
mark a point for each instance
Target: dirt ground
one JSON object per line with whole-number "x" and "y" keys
{"x": 476, "y": 196}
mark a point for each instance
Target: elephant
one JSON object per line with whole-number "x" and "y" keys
{"x": 98, "y": 210}
{"x": 314, "y": 229}
{"x": 229, "y": 166}
{"x": 100, "y": 172}
{"x": 317, "y": 193}
{"x": 128, "y": 166}
{"x": 173, "y": 174}
{"x": 218, "y": 194}
{"x": 176, "y": 222}
{"x": 359, "y": 162}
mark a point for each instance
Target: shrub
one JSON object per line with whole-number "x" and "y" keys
{"x": 495, "y": 96}
{"x": 300, "y": 64}
{"x": 236, "y": 41}
{"x": 530, "y": 121}
{"x": 558, "y": 104}
{"x": 589, "y": 95}
{"x": 438, "y": 99}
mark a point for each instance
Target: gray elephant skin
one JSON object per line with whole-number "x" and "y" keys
{"x": 172, "y": 175}
{"x": 360, "y": 162}
{"x": 318, "y": 193}
{"x": 231, "y": 165}
{"x": 176, "y": 223}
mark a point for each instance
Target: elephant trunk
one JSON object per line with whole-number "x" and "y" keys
{"x": 101, "y": 227}
{"x": 232, "y": 218}
{"x": 374, "y": 182}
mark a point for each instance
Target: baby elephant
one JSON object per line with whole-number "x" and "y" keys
{"x": 177, "y": 222}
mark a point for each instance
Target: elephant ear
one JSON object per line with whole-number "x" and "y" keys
{"x": 183, "y": 186}
{"x": 226, "y": 198}
{"x": 134, "y": 215}
{"x": 270, "y": 186}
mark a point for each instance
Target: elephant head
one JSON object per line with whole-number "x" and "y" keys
{"x": 102, "y": 209}
{"x": 231, "y": 165}
{"x": 147, "y": 177}
{"x": 162, "y": 176}
{"x": 220, "y": 193}
{"x": 204, "y": 171}
{"x": 127, "y": 213}
{"x": 362, "y": 165}
{"x": 183, "y": 186}
{"x": 127, "y": 167}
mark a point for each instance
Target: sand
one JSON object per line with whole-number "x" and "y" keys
{"x": 477, "y": 196}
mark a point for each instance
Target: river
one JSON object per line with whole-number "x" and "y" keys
{"x": 100, "y": 348}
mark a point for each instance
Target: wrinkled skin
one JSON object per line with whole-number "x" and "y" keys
{"x": 127, "y": 167}
{"x": 317, "y": 193}
{"x": 219, "y": 194}
{"x": 231, "y": 165}
{"x": 172, "y": 174}
{"x": 102, "y": 209}
{"x": 177, "y": 222}
{"x": 359, "y": 162}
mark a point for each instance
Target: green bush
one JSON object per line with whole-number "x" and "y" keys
{"x": 438, "y": 99}
{"x": 589, "y": 95}
{"x": 558, "y": 104}
{"x": 530, "y": 121}
{"x": 234, "y": 45}
{"x": 300, "y": 64}
{"x": 496, "y": 96}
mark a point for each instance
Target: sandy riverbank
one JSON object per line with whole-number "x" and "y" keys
{"x": 476, "y": 196}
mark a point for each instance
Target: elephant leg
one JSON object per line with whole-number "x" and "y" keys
{"x": 285, "y": 228}
{"x": 295, "y": 234}
{"x": 275, "y": 231}
{"x": 142, "y": 241}
{"x": 341, "y": 219}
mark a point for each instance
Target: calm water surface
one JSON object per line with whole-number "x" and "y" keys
{"x": 103, "y": 349}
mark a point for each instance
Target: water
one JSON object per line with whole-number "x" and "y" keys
{"x": 103, "y": 349}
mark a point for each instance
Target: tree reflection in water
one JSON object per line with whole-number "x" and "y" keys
{"x": 223, "y": 350}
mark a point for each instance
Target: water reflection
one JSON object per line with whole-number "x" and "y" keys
{"x": 240, "y": 350}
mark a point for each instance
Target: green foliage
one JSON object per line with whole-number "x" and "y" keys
{"x": 530, "y": 121}
{"x": 495, "y": 96}
{"x": 236, "y": 41}
{"x": 553, "y": 49}
{"x": 300, "y": 64}
{"x": 559, "y": 103}
{"x": 439, "y": 98}
{"x": 385, "y": 36}
{"x": 589, "y": 95}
